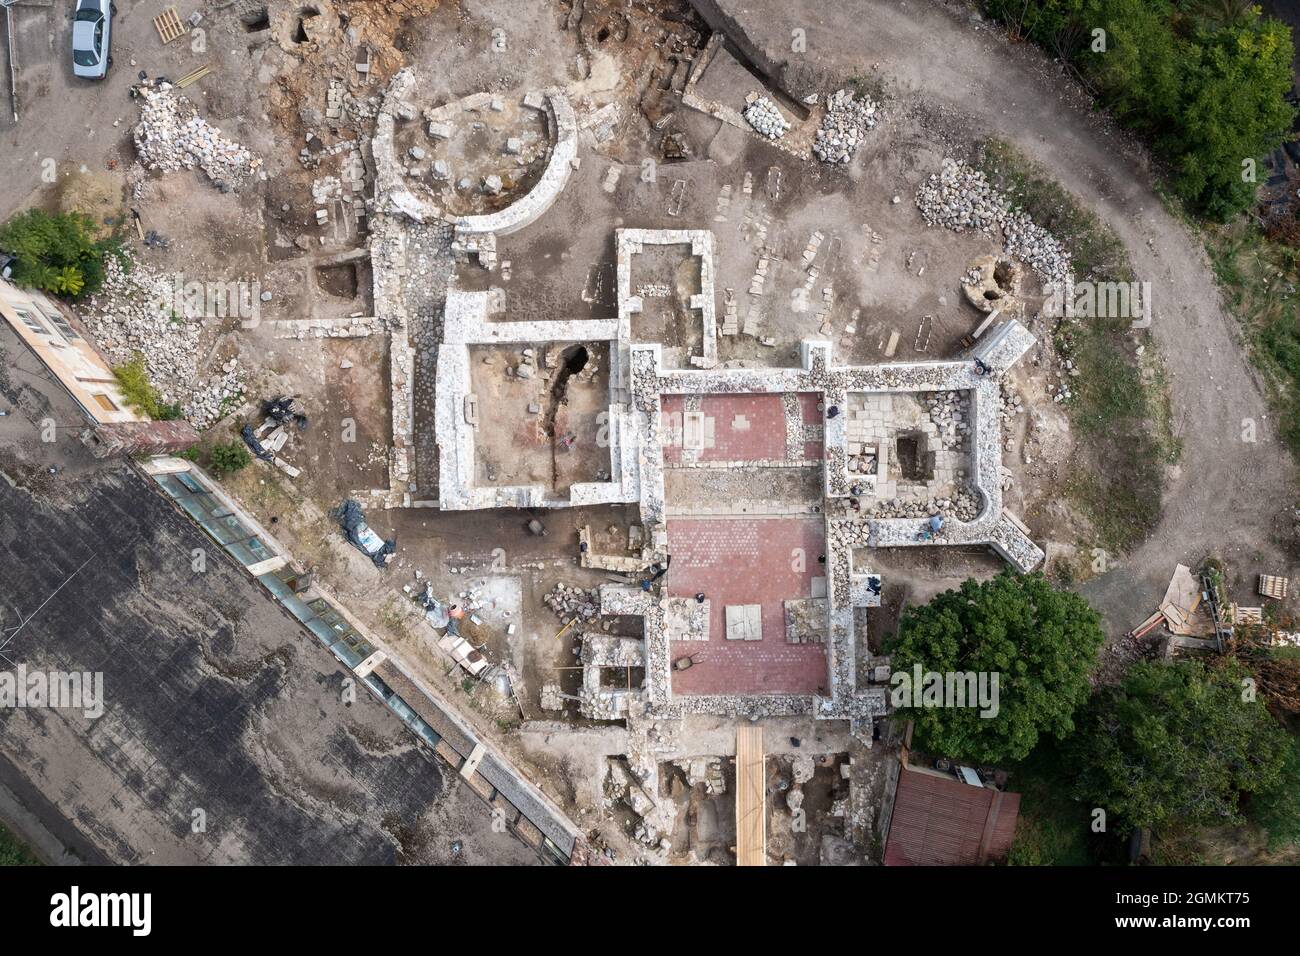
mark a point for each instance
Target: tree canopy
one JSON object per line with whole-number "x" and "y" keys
{"x": 1040, "y": 641}
{"x": 57, "y": 254}
{"x": 1202, "y": 80}
{"x": 1176, "y": 743}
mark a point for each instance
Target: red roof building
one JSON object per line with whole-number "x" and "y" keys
{"x": 940, "y": 821}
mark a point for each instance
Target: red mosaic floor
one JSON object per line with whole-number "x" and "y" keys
{"x": 761, "y": 434}
{"x": 747, "y": 562}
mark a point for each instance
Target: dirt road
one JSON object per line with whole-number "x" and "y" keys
{"x": 1227, "y": 496}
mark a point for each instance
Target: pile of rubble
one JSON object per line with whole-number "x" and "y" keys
{"x": 951, "y": 412}
{"x": 762, "y": 114}
{"x": 964, "y": 505}
{"x": 848, "y": 118}
{"x": 1011, "y": 405}
{"x": 134, "y": 314}
{"x": 960, "y": 197}
{"x": 172, "y": 136}
{"x": 569, "y": 602}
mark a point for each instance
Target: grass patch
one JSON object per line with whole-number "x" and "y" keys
{"x": 1120, "y": 408}
{"x": 1054, "y": 829}
{"x": 1259, "y": 280}
{"x": 13, "y": 853}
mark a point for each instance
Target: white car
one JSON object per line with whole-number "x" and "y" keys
{"x": 92, "y": 29}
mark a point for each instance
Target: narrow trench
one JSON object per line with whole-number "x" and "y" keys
{"x": 572, "y": 361}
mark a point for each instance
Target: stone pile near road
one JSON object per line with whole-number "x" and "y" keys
{"x": 960, "y": 197}
{"x": 569, "y": 602}
{"x": 762, "y": 114}
{"x": 172, "y": 136}
{"x": 134, "y": 313}
{"x": 848, "y": 119}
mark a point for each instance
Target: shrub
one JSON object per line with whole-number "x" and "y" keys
{"x": 133, "y": 378}
{"x": 225, "y": 458}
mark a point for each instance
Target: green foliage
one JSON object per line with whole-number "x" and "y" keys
{"x": 1202, "y": 81}
{"x": 133, "y": 378}
{"x": 1053, "y": 827}
{"x": 1277, "y": 808}
{"x": 13, "y": 853}
{"x": 57, "y": 253}
{"x": 1175, "y": 743}
{"x": 1042, "y": 643}
{"x": 225, "y": 458}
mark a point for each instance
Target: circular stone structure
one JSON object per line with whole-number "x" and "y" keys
{"x": 992, "y": 282}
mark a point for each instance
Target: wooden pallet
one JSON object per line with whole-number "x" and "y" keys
{"x": 1271, "y": 585}
{"x": 194, "y": 77}
{"x": 169, "y": 26}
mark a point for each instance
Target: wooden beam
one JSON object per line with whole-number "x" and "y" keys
{"x": 751, "y": 797}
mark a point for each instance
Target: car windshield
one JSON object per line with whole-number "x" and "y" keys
{"x": 87, "y": 13}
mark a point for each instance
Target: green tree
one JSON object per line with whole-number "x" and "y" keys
{"x": 57, "y": 254}
{"x": 1176, "y": 743}
{"x": 1202, "y": 80}
{"x": 1041, "y": 643}
{"x": 1277, "y": 809}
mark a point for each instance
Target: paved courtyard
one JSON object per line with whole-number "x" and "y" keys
{"x": 743, "y": 428}
{"x": 763, "y": 562}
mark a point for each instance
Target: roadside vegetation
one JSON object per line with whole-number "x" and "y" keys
{"x": 1259, "y": 277}
{"x": 13, "y": 853}
{"x": 1120, "y": 406}
{"x": 1202, "y": 81}
{"x": 58, "y": 254}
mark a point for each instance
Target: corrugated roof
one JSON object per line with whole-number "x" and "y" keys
{"x": 940, "y": 821}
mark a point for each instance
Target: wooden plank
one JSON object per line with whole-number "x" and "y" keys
{"x": 751, "y": 797}
{"x": 194, "y": 77}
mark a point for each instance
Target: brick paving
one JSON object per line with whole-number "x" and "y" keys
{"x": 747, "y": 562}
{"x": 745, "y": 427}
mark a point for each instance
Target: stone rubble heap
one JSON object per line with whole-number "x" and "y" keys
{"x": 172, "y": 136}
{"x": 1010, "y": 406}
{"x": 847, "y": 121}
{"x": 762, "y": 114}
{"x": 569, "y": 602}
{"x": 951, "y": 412}
{"x": 960, "y": 197}
{"x": 133, "y": 314}
{"x": 964, "y": 505}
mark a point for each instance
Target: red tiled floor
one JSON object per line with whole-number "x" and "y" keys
{"x": 764, "y": 438}
{"x": 747, "y": 562}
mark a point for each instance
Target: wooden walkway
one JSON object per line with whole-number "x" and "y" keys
{"x": 751, "y": 797}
